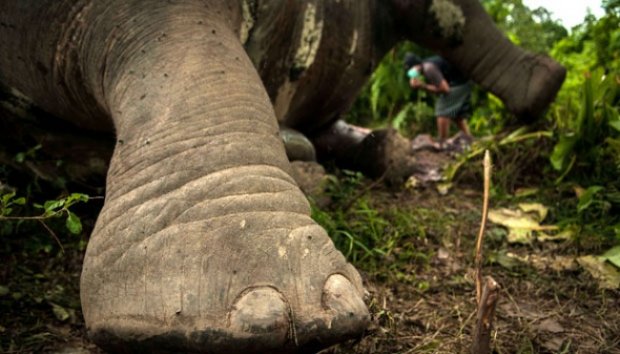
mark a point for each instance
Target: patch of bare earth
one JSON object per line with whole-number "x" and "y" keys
{"x": 425, "y": 307}
{"x": 539, "y": 310}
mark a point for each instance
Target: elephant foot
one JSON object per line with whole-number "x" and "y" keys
{"x": 378, "y": 154}
{"x": 187, "y": 273}
{"x": 260, "y": 321}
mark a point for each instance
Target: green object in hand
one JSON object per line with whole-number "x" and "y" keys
{"x": 413, "y": 73}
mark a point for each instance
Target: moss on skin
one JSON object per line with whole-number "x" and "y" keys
{"x": 248, "y": 10}
{"x": 449, "y": 18}
{"x": 310, "y": 38}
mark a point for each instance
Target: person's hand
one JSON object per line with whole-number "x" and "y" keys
{"x": 415, "y": 83}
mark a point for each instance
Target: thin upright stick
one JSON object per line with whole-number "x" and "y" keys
{"x": 486, "y": 297}
{"x": 481, "y": 343}
{"x": 485, "y": 210}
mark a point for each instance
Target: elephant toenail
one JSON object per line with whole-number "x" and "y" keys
{"x": 261, "y": 312}
{"x": 345, "y": 303}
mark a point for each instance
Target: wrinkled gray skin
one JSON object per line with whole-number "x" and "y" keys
{"x": 205, "y": 243}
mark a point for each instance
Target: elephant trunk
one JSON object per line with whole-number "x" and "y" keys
{"x": 463, "y": 33}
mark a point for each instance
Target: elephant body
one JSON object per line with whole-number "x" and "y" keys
{"x": 205, "y": 243}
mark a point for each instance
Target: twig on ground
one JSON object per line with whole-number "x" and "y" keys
{"x": 361, "y": 193}
{"x": 487, "y": 295}
{"x": 484, "y": 321}
{"x": 483, "y": 222}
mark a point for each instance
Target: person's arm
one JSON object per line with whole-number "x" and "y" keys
{"x": 436, "y": 83}
{"x": 440, "y": 88}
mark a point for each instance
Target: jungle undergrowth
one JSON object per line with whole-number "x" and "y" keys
{"x": 376, "y": 237}
{"x": 425, "y": 304}
{"x": 590, "y": 212}
{"x": 44, "y": 230}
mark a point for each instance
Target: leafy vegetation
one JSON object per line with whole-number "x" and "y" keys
{"x": 43, "y": 229}
{"x": 572, "y": 155}
{"x": 381, "y": 238}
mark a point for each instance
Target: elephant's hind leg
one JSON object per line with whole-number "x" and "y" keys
{"x": 205, "y": 243}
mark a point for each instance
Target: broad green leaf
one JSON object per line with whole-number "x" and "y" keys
{"x": 60, "y": 312}
{"x": 615, "y": 124}
{"x": 514, "y": 38}
{"x": 613, "y": 256}
{"x": 401, "y": 117}
{"x": 20, "y": 157}
{"x": 537, "y": 208}
{"x": 52, "y": 205}
{"x": 76, "y": 197}
{"x": 73, "y": 223}
{"x": 4, "y": 290}
{"x": 579, "y": 190}
{"x": 521, "y": 225}
{"x": 587, "y": 198}
{"x": 513, "y": 219}
{"x": 20, "y": 201}
{"x": 566, "y": 234}
{"x": 607, "y": 275}
{"x": 7, "y": 197}
{"x": 521, "y": 236}
{"x": 561, "y": 151}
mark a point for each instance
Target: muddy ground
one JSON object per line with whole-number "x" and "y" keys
{"x": 419, "y": 306}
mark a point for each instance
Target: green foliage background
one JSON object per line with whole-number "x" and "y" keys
{"x": 578, "y": 139}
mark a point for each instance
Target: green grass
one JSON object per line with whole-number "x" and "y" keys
{"x": 377, "y": 237}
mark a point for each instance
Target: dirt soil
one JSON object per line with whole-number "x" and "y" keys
{"x": 539, "y": 310}
{"x": 428, "y": 307}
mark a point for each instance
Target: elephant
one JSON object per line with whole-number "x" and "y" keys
{"x": 205, "y": 243}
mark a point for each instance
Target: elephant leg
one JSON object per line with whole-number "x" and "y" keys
{"x": 205, "y": 243}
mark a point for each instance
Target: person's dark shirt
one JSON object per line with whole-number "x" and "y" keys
{"x": 436, "y": 68}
